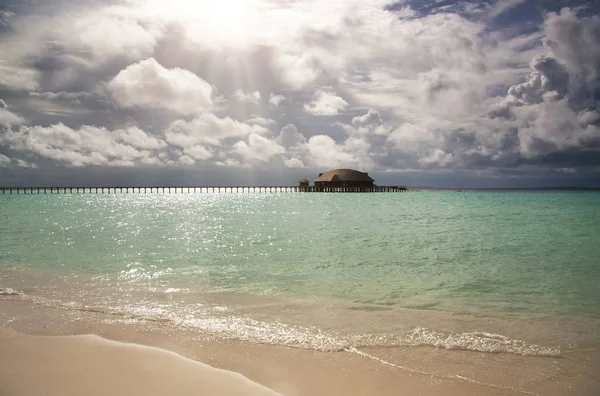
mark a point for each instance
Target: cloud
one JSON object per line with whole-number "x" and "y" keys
{"x": 276, "y": 100}
{"x": 14, "y": 78}
{"x": 89, "y": 145}
{"x": 297, "y": 71}
{"x": 137, "y": 138}
{"x": 371, "y": 118}
{"x": 7, "y": 118}
{"x": 290, "y": 137}
{"x": 323, "y": 152}
{"x": 371, "y": 85}
{"x": 258, "y": 148}
{"x": 247, "y": 97}
{"x": 24, "y": 164}
{"x": 4, "y": 161}
{"x": 149, "y": 84}
{"x": 438, "y": 158}
{"x": 575, "y": 43}
{"x": 208, "y": 129}
{"x": 264, "y": 122}
{"x": 198, "y": 152}
{"x": 548, "y": 77}
{"x": 186, "y": 160}
{"x": 325, "y": 103}
{"x": 368, "y": 124}
{"x": 555, "y": 111}
{"x": 502, "y": 6}
{"x": 71, "y": 46}
{"x": 293, "y": 163}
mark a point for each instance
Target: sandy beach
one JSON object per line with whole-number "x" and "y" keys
{"x": 90, "y": 354}
{"x": 91, "y": 365}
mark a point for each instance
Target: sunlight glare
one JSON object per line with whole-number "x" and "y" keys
{"x": 223, "y": 20}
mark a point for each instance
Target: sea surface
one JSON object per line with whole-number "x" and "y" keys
{"x": 514, "y": 272}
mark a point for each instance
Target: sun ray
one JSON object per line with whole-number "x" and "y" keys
{"x": 223, "y": 21}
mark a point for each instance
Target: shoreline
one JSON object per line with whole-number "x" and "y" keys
{"x": 289, "y": 371}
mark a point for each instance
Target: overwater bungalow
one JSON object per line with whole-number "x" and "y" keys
{"x": 344, "y": 178}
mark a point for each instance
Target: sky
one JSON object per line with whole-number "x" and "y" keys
{"x": 246, "y": 92}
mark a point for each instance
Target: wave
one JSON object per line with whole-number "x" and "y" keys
{"x": 478, "y": 341}
{"x": 213, "y": 322}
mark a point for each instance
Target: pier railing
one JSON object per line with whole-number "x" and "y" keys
{"x": 197, "y": 189}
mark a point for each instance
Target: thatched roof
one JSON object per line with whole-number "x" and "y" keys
{"x": 348, "y": 175}
{"x": 304, "y": 181}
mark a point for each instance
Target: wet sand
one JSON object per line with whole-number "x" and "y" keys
{"x": 46, "y": 364}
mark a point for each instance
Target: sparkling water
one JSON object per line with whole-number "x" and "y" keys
{"x": 489, "y": 271}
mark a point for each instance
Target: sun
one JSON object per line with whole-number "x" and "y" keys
{"x": 223, "y": 20}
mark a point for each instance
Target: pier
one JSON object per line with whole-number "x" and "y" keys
{"x": 198, "y": 190}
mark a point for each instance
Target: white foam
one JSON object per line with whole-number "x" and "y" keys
{"x": 8, "y": 292}
{"x": 212, "y": 321}
{"x": 175, "y": 290}
{"x": 469, "y": 341}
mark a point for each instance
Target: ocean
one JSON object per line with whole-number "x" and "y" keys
{"x": 510, "y": 272}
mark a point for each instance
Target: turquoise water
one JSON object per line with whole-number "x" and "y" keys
{"x": 534, "y": 254}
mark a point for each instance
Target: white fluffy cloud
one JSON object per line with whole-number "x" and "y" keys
{"x": 258, "y": 148}
{"x": 251, "y": 97}
{"x": 293, "y": 163}
{"x": 325, "y": 103}
{"x": 208, "y": 129}
{"x": 276, "y": 100}
{"x": 149, "y": 84}
{"x": 89, "y": 145}
{"x": 323, "y": 152}
{"x": 198, "y": 152}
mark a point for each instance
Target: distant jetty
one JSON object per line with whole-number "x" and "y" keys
{"x": 334, "y": 181}
{"x": 196, "y": 190}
